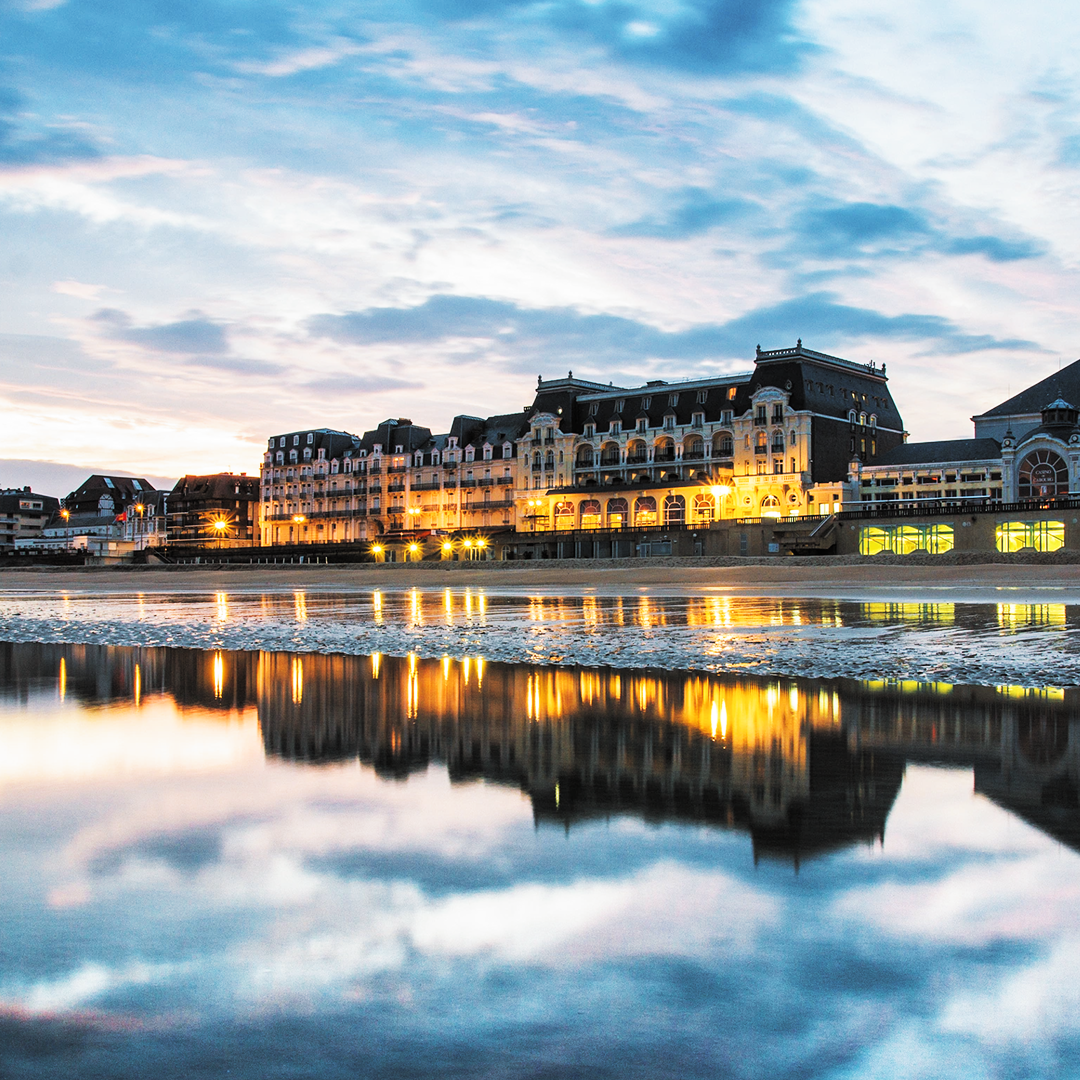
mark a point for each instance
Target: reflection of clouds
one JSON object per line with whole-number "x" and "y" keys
{"x": 61, "y": 746}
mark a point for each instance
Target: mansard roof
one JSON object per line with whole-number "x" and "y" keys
{"x": 1063, "y": 384}
{"x": 942, "y": 452}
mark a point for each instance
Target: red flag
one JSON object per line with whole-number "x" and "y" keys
{"x": 122, "y": 517}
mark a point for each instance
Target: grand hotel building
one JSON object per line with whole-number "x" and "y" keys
{"x": 778, "y": 441}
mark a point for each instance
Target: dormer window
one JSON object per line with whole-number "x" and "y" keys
{"x": 590, "y": 431}
{"x": 615, "y": 426}
{"x": 307, "y": 453}
{"x": 310, "y": 437}
{"x": 434, "y": 457}
{"x": 296, "y": 440}
{"x": 487, "y": 452}
{"x": 470, "y": 453}
{"x": 453, "y": 442}
{"x": 508, "y": 450}
{"x": 669, "y": 421}
{"x": 594, "y": 407}
{"x": 619, "y": 404}
{"x": 399, "y": 449}
{"x": 698, "y": 419}
{"x": 646, "y": 402}
{"x": 642, "y": 423}
{"x": 702, "y": 396}
{"x": 731, "y": 392}
{"x": 322, "y": 453}
{"x": 418, "y": 460}
{"x": 673, "y": 400}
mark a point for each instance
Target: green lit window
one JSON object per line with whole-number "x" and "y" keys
{"x": 905, "y": 539}
{"x": 1040, "y": 535}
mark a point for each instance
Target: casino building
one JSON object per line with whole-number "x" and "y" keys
{"x": 1025, "y": 448}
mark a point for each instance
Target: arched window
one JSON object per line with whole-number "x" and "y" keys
{"x": 590, "y": 513}
{"x": 770, "y": 506}
{"x": 617, "y": 510}
{"x": 1043, "y": 474}
{"x": 665, "y": 450}
{"x": 636, "y": 452}
{"x": 549, "y": 460}
{"x": 778, "y": 441}
{"x": 536, "y": 459}
{"x": 609, "y": 454}
{"x": 693, "y": 448}
{"x": 584, "y": 458}
{"x": 564, "y": 515}
{"x": 723, "y": 444}
{"x": 645, "y": 511}
{"x": 674, "y": 510}
{"x": 761, "y": 444}
{"x": 704, "y": 507}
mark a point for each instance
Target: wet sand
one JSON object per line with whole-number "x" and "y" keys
{"x": 977, "y": 582}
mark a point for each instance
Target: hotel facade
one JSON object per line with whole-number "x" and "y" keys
{"x": 776, "y": 442}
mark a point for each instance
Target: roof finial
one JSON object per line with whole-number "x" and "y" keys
{"x": 798, "y": 344}
{"x": 539, "y": 380}
{"x": 569, "y": 374}
{"x": 759, "y": 350}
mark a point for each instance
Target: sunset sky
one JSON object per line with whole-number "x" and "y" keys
{"x": 220, "y": 220}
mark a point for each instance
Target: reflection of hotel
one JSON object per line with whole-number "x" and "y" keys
{"x": 804, "y": 766}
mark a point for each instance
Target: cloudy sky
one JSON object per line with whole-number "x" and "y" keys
{"x": 222, "y": 219}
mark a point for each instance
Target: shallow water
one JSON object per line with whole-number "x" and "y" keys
{"x": 262, "y": 864}
{"x": 1029, "y": 643}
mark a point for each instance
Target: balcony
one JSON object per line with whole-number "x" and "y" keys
{"x": 693, "y": 455}
{"x": 608, "y": 461}
{"x": 427, "y": 487}
{"x": 397, "y": 485}
{"x": 637, "y": 459}
{"x": 761, "y": 449}
{"x": 397, "y": 468}
{"x": 504, "y": 479}
{"x": 760, "y": 421}
{"x": 663, "y": 455}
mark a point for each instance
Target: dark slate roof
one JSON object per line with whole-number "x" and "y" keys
{"x": 217, "y": 486}
{"x": 1062, "y": 384}
{"x": 946, "y": 450}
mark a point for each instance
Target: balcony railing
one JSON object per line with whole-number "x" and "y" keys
{"x": 664, "y": 455}
{"x": 637, "y": 459}
{"x": 693, "y": 455}
{"x": 607, "y": 461}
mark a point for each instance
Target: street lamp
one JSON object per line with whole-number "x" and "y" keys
{"x": 719, "y": 493}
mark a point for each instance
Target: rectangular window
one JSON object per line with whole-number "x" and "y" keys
{"x": 702, "y": 396}
{"x": 731, "y": 392}
{"x": 1040, "y": 535}
{"x": 906, "y": 539}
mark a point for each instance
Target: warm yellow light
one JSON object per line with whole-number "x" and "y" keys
{"x": 447, "y": 546}
{"x": 220, "y": 525}
{"x": 376, "y": 549}
{"x": 414, "y": 547}
{"x": 481, "y": 543}
{"x": 65, "y": 514}
{"x": 298, "y": 518}
{"x": 468, "y": 543}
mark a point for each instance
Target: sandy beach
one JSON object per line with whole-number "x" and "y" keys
{"x": 840, "y": 579}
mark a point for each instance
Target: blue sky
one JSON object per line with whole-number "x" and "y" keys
{"x": 223, "y": 219}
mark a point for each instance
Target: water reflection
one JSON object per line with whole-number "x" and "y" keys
{"x": 804, "y": 766}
